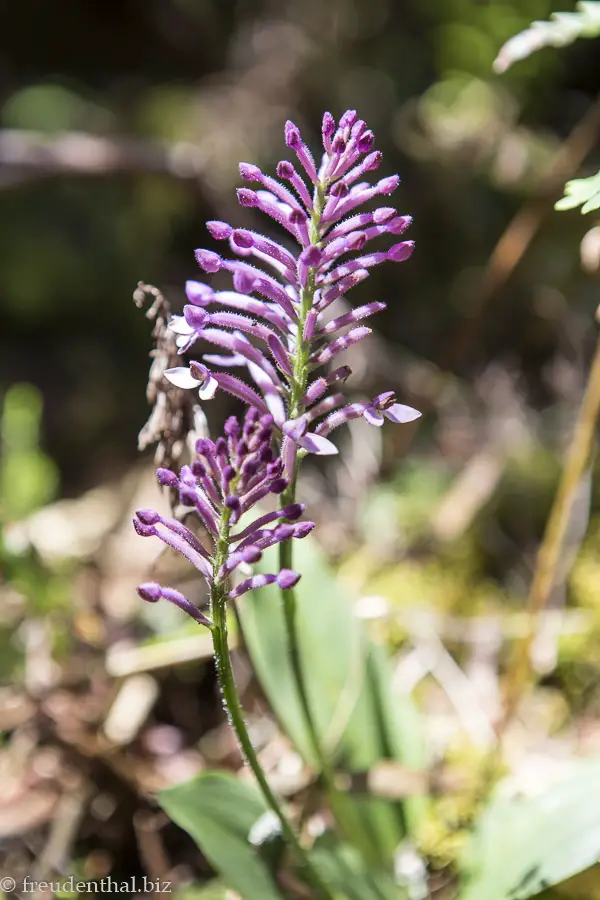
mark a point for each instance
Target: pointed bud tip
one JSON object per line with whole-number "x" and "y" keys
{"x": 199, "y": 294}
{"x": 242, "y": 238}
{"x": 293, "y": 511}
{"x": 219, "y": 230}
{"x": 328, "y": 124}
{"x": 285, "y": 169}
{"x": 348, "y": 118}
{"x": 150, "y": 591}
{"x": 250, "y": 172}
{"x": 292, "y": 135}
{"x": 287, "y": 579}
{"x": 208, "y": 261}
{"x": 167, "y": 478}
{"x": 247, "y": 197}
{"x": 402, "y": 251}
{"x": 147, "y": 516}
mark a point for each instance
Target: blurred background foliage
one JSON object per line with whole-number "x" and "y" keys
{"x": 121, "y": 127}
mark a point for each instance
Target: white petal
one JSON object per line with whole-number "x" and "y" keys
{"x": 182, "y": 340}
{"x": 209, "y": 388}
{"x": 181, "y": 377}
{"x": 179, "y": 325}
{"x": 275, "y": 407}
{"x": 316, "y": 443}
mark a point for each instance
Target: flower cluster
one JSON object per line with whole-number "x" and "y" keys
{"x": 223, "y": 484}
{"x": 281, "y": 325}
{"x": 284, "y": 324}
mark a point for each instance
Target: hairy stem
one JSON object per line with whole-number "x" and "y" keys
{"x": 236, "y": 713}
{"x": 549, "y": 554}
{"x": 342, "y": 808}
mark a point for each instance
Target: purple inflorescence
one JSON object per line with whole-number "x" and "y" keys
{"x": 284, "y": 319}
{"x": 281, "y": 308}
{"x": 225, "y": 481}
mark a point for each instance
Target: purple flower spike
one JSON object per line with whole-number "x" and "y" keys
{"x": 262, "y": 335}
{"x": 222, "y": 485}
{"x": 274, "y": 328}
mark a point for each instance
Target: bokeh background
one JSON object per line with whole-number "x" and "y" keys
{"x": 120, "y": 132}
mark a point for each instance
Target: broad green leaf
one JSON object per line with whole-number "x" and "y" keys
{"x": 332, "y": 649}
{"x": 342, "y": 868}
{"x": 523, "y": 845}
{"x": 400, "y": 729}
{"x": 562, "y": 29}
{"x": 358, "y": 720}
{"x": 219, "y": 811}
{"x": 584, "y": 192}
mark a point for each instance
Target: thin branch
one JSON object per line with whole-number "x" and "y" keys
{"x": 551, "y": 550}
{"x": 27, "y": 155}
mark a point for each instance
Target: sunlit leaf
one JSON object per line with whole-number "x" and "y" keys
{"x": 562, "y": 29}
{"x": 358, "y": 720}
{"x": 525, "y": 844}
{"x": 584, "y": 192}
{"x": 219, "y": 811}
{"x": 342, "y": 868}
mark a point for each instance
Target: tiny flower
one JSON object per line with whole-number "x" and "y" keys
{"x": 382, "y": 406}
{"x": 194, "y": 376}
{"x": 385, "y": 405}
{"x": 297, "y": 431}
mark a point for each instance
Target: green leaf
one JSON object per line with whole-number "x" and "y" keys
{"x": 357, "y": 718}
{"x": 342, "y": 868}
{"x": 219, "y": 811}
{"x": 335, "y": 669}
{"x": 526, "y": 844}
{"x": 584, "y": 192}
{"x": 562, "y": 29}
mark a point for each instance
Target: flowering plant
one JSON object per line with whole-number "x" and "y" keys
{"x": 280, "y": 328}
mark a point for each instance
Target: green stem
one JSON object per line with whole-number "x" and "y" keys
{"x": 236, "y": 713}
{"x": 297, "y": 390}
{"x": 342, "y": 808}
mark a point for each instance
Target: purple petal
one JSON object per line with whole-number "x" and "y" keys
{"x": 251, "y": 584}
{"x": 219, "y": 230}
{"x": 199, "y": 294}
{"x": 340, "y": 344}
{"x": 208, "y": 261}
{"x": 295, "y": 428}
{"x": 374, "y": 416}
{"x": 195, "y": 317}
{"x": 150, "y": 591}
{"x": 316, "y": 443}
{"x": 400, "y": 413}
